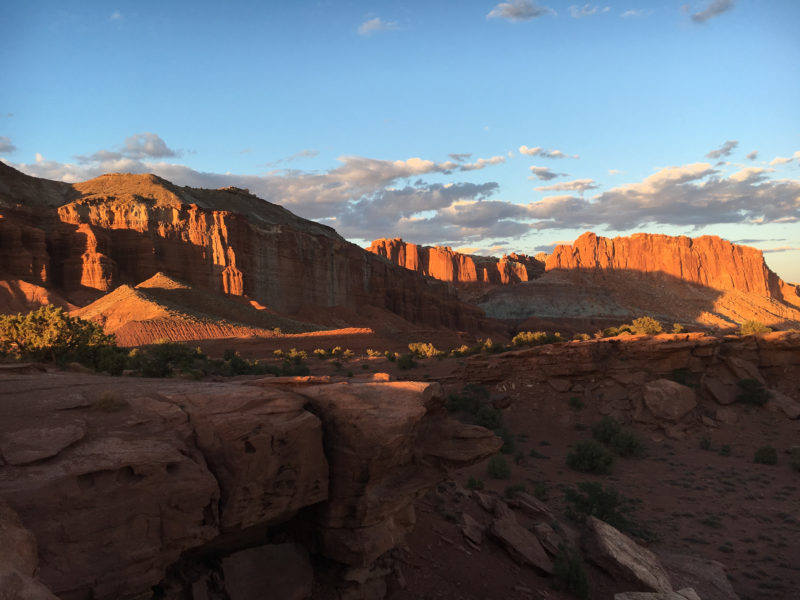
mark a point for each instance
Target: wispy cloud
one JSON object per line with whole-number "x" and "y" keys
{"x": 752, "y": 155}
{"x": 539, "y": 151}
{"x": 519, "y": 10}
{"x": 724, "y": 150}
{"x": 544, "y": 173}
{"x": 137, "y": 146}
{"x": 481, "y": 163}
{"x": 783, "y": 160}
{"x": 576, "y": 185}
{"x": 6, "y": 147}
{"x": 714, "y": 9}
{"x": 780, "y": 249}
{"x": 309, "y": 153}
{"x": 587, "y": 10}
{"x": 376, "y": 25}
{"x": 116, "y": 16}
{"x": 460, "y": 156}
{"x": 633, "y": 13}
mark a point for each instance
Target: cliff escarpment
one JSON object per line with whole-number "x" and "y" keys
{"x": 88, "y": 238}
{"x": 445, "y": 264}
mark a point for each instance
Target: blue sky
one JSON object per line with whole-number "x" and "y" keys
{"x": 432, "y": 121}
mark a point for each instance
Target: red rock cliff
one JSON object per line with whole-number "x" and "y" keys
{"x": 90, "y": 237}
{"x": 443, "y": 263}
{"x": 707, "y": 260}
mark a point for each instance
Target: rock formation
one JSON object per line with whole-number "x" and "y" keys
{"x": 86, "y": 239}
{"x": 707, "y": 261}
{"x": 447, "y": 265}
{"x": 128, "y": 484}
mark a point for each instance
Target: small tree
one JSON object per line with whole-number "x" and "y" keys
{"x": 646, "y": 325}
{"x": 753, "y": 327}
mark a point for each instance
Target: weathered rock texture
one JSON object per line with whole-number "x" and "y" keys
{"x": 448, "y": 265}
{"x": 629, "y": 376}
{"x": 707, "y": 260}
{"x": 86, "y": 239}
{"x": 597, "y": 282}
{"x": 121, "y": 480}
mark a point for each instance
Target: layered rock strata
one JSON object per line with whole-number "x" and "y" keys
{"x": 121, "y": 481}
{"x": 441, "y": 262}
{"x": 86, "y": 239}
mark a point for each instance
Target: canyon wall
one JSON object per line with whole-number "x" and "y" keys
{"x": 447, "y": 265}
{"x": 88, "y": 238}
{"x": 707, "y": 260}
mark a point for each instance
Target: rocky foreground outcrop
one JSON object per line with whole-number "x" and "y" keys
{"x": 441, "y": 262}
{"x": 84, "y": 240}
{"x": 196, "y": 487}
{"x": 672, "y": 382}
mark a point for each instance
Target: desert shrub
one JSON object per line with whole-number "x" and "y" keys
{"x": 374, "y": 353}
{"x": 391, "y": 356}
{"x": 646, "y": 325}
{"x": 498, "y": 467}
{"x": 581, "y": 337}
{"x": 766, "y": 455}
{"x": 293, "y": 356}
{"x": 615, "y": 331}
{"x": 725, "y": 450}
{"x": 166, "y": 358}
{"x": 424, "y": 350}
{"x": 705, "y": 443}
{"x": 604, "y": 503}
{"x": 50, "y": 334}
{"x": 753, "y": 327}
{"x": 794, "y": 458}
{"x": 348, "y": 353}
{"x": 540, "y": 491}
{"x": 492, "y": 347}
{"x": 576, "y": 403}
{"x": 470, "y": 400}
{"x": 337, "y": 351}
{"x": 465, "y": 350}
{"x": 535, "y": 338}
{"x": 488, "y": 416}
{"x": 569, "y": 574}
{"x": 627, "y": 445}
{"x": 509, "y": 443}
{"x": 320, "y": 353}
{"x": 752, "y": 391}
{"x": 590, "y": 457}
{"x": 605, "y": 430}
{"x": 474, "y": 483}
{"x": 406, "y": 361}
{"x": 514, "y": 489}
{"x": 678, "y": 328}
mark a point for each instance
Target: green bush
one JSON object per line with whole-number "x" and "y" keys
{"x": 753, "y": 327}
{"x": 590, "y": 457}
{"x": 646, "y": 325}
{"x": 475, "y": 483}
{"x": 536, "y": 338}
{"x": 374, "y": 353}
{"x": 509, "y": 443}
{"x": 627, "y": 445}
{"x": 794, "y": 458}
{"x": 514, "y": 489}
{"x": 50, "y": 334}
{"x": 605, "y": 430}
{"x": 424, "y": 350}
{"x": 540, "y": 491}
{"x": 489, "y": 417}
{"x": 492, "y": 347}
{"x": 766, "y": 455}
{"x": 604, "y": 503}
{"x": 465, "y": 350}
{"x": 752, "y": 391}
{"x": 725, "y": 450}
{"x": 498, "y": 467}
{"x": 576, "y": 403}
{"x": 678, "y": 328}
{"x": 569, "y": 574}
{"x": 705, "y": 443}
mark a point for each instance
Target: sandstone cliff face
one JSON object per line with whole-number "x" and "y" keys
{"x": 445, "y": 264}
{"x": 88, "y": 238}
{"x": 120, "y": 480}
{"x": 707, "y": 260}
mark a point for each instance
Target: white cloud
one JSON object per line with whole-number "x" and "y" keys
{"x": 714, "y": 9}
{"x": 482, "y": 162}
{"x": 519, "y": 10}
{"x": 633, "y": 13}
{"x": 752, "y": 155}
{"x": 539, "y": 151}
{"x": 577, "y": 185}
{"x": 781, "y": 249}
{"x": 781, "y": 160}
{"x": 587, "y": 10}
{"x": 376, "y": 25}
